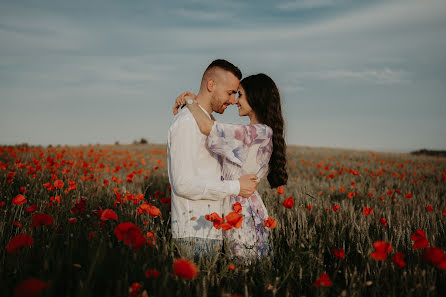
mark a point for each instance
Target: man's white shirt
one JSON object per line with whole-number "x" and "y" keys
{"x": 195, "y": 178}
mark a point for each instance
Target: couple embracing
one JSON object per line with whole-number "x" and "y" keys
{"x": 214, "y": 167}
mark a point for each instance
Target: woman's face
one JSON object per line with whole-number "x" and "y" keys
{"x": 244, "y": 108}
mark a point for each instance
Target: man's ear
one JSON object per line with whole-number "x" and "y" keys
{"x": 211, "y": 85}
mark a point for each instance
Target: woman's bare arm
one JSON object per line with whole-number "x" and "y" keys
{"x": 203, "y": 121}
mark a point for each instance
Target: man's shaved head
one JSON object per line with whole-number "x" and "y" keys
{"x": 220, "y": 82}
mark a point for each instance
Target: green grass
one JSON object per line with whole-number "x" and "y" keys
{"x": 303, "y": 240}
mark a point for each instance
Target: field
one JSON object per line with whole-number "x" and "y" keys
{"x": 369, "y": 223}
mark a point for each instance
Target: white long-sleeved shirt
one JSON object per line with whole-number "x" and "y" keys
{"x": 195, "y": 178}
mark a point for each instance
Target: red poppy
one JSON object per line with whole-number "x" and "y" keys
{"x": 151, "y": 239}
{"x": 339, "y": 254}
{"x": 382, "y": 248}
{"x": 134, "y": 290}
{"x": 42, "y": 219}
{"x": 280, "y": 190}
{"x": 235, "y": 219}
{"x": 216, "y": 219}
{"x": 367, "y": 211}
{"x": 383, "y": 221}
{"x": 48, "y": 186}
{"x": 131, "y": 235}
{"x": 19, "y": 199}
{"x": 309, "y": 207}
{"x": 185, "y": 268}
{"x": 398, "y": 260}
{"x": 19, "y": 241}
{"x": 420, "y": 239}
{"x": 323, "y": 281}
{"x": 31, "y": 287}
{"x": 444, "y": 212}
{"x": 58, "y": 184}
{"x": 409, "y": 195}
{"x": 231, "y": 267}
{"x": 152, "y": 273}
{"x": 154, "y": 211}
{"x": 31, "y": 208}
{"x": 72, "y": 220}
{"x": 270, "y": 223}
{"x": 350, "y": 195}
{"x": 336, "y": 207}
{"x": 289, "y": 202}
{"x": 108, "y": 214}
{"x": 429, "y": 208}
{"x": 435, "y": 256}
{"x": 237, "y": 207}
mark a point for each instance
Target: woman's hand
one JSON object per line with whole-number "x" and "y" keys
{"x": 181, "y": 100}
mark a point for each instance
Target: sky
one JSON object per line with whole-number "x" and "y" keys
{"x": 364, "y": 74}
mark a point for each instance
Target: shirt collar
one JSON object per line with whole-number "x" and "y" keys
{"x": 209, "y": 116}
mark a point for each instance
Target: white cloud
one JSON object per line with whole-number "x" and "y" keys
{"x": 305, "y": 4}
{"x": 377, "y": 76}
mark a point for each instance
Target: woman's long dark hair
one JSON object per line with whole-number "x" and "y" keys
{"x": 264, "y": 98}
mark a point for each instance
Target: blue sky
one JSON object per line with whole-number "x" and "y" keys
{"x": 352, "y": 74}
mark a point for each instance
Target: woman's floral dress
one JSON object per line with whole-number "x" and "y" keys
{"x": 246, "y": 149}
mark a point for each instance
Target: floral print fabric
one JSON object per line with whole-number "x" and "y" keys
{"x": 245, "y": 149}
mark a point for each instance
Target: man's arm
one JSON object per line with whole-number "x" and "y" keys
{"x": 184, "y": 146}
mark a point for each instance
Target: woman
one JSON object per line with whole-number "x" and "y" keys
{"x": 257, "y": 148}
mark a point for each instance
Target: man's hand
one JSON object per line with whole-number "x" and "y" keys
{"x": 248, "y": 184}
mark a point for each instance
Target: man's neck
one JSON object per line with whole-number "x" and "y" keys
{"x": 204, "y": 103}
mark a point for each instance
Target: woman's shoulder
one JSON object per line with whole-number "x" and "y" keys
{"x": 263, "y": 130}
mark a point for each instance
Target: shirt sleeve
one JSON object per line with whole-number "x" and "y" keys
{"x": 183, "y": 144}
{"x": 233, "y": 140}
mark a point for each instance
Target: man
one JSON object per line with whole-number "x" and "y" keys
{"x": 195, "y": 172}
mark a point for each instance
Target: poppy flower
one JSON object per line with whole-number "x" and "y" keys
{"x": 280, "y": 190}
{"x": 42, "y": 219}
{"x": 19, "y": 241}
{"x": 429, "y": 208}
{"x": 185, "y": 268}
{"x": 152, "y": 273}
{"x": 323, "y": 281}
{"x": 350, "y": 195}
{"x": 130, "y": 234}
{"x": 289, "y": 202}
{"x": 436, "y": 256}
{"x": 231, "y": 267}
{"x": 48, "y": 186}
{"x": 134, "y": 290}
{"x": 58, "y": 184}
{"x": 31, "y": 287}
{"x": 383, "y": 221}
{"x": 154, "y": 211}
{"x": 237, "y": 207}
{"x": 309, "y": 207}
{"x": 31, "y": 208}
{"x": 108, "y": 214}
{"x": 19, "y": 199}
{"x": 409, "y": 195}
{"x": 72, "y": 220}
{"x": 216, "y": 219}
{"x": 235, "y": 219}
{"x": 151, "y": 239}
{"x": 398, "y": 260}
{"x": 382, "y": 248}
{"x": 336, "y": 207}
{"x": 367, "y": 210}
{"x": 270, "y": 223}
{"x": 339, "y": 253}
{"x": 420, "y": 239}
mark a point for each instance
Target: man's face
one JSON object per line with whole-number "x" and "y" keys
{"x": 224, "y": 92}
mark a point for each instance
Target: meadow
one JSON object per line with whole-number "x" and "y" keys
{"x": 94, "y": 221}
